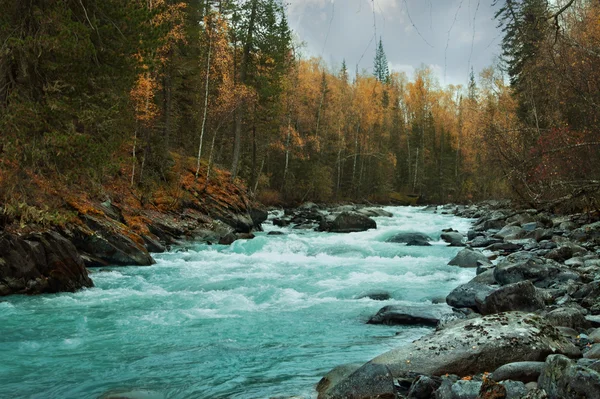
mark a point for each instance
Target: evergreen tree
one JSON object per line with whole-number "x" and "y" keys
{"x": 472, "y": 89}
{"x": 381, "y": 69}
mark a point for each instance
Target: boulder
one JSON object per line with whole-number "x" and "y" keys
{"x": 423, "y": 387}
{"x": 466, "y": 348}
{"x": 350, "y": 222}
{"x": 568, "y": 317}
{"x": 593, "y": 353}
{"x": 464, "y": 295}
{"x": 407, "y": 236}
{"x": 375, "y": 212}
{"x": 453, "y": 238}
{"x": 418, "y": 243}
{"x": 510, "y": 233}
{"x": 468, "y": 258}
{"x": 336, "y": 375}
{"x": 376, "y": 295}
{"x": 461, "y": 389}
{"x": 562, "y": 378}
{"x": 368, "y": 382}
{"x": 518, "y": 371}
{"x": 40, "y": 263}
{"x": 482, "y": 242}
{"x": 410, "y": 315}
{"x": 258, "y": 216}
{"x": 521, "y": 296}
{"x": 515, "y": 268}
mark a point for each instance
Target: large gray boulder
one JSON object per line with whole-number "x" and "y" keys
{"x": 350, "y": 222}
{"x": 521, "y": 296}
{"x": 455, "y": 239}
{"x": 562, "y": 378}
{"x": 466, "y": 348}
{"x": 518, "y": 371}
{"x": 464, "y": 296}
{"x": 469, "y": 258}
{"x": 517, "y": 267}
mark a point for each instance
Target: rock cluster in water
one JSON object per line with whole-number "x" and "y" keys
{"x": 524, "y": 327}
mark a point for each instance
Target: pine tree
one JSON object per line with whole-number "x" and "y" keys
{"x": 381, "y": 69}
{"x": 472, "y": 89}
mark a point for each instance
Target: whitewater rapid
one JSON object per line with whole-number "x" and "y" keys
{"x": 259, "y": 319}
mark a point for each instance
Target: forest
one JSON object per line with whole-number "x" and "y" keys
{"x": 98, "y": 91}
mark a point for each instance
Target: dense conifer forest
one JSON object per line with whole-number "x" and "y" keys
{"x": 112, "y": 96}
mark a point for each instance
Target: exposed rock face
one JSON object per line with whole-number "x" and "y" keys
{"x": 468, "y": 348}
{"x": 468, "y": 258}
{"x": 40, "y": 263}
{"x": 350, "y": 222}
{"x": 104, "y": 242}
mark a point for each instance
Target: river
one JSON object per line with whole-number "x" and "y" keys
{"x": 259, "y": 319}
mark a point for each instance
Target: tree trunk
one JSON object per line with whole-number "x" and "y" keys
{"x": 205, "y": 105}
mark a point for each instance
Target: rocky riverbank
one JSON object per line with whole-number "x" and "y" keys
{"x": 121, "y": 230}
{"x": 524, "y": 327}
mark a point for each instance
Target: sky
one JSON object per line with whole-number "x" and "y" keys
{"x": 449, "y": 36}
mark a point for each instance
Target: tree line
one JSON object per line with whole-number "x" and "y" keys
{"x": 93, "y": 89}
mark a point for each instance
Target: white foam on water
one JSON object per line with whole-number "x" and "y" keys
{"x": 273, "y": 313}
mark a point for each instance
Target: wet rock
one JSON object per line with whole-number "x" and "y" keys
{"x": 348, "y": 222}
{"x": 562, "y": 378}
{"x": 369, "y": 382}
{"x": 40, "y": 263}
{"x": 228, "y": 239}
{"x": 521, "y": 296}
{"x": 464, "y": 296}
{"x": 410, "y": 315}
{"x": 518, "y": 371}
{"x": 336, "y": 375}
{"x": 275, "y": 233}
{"x": 407, "y": 236}
{"x": 418, "y": 243}
{"x": 375, "y": 212}
{"x": 468, "y": 258}
{"x": 258, "y": 217}
{"x": 469, "y": 348}
{"x": 376, "y": 295}
{"x": 455, "y": 239}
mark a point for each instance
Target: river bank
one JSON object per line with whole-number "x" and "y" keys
{"x": 542, "y": 268}
{"x": 529, "y": 317}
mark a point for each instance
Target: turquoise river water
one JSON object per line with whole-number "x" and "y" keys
{"x": 259, "y": 319}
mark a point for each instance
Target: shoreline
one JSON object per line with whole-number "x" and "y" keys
{"x": 541, "y": 262}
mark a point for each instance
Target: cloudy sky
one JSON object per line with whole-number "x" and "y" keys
{"x": 448, "y": 35}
